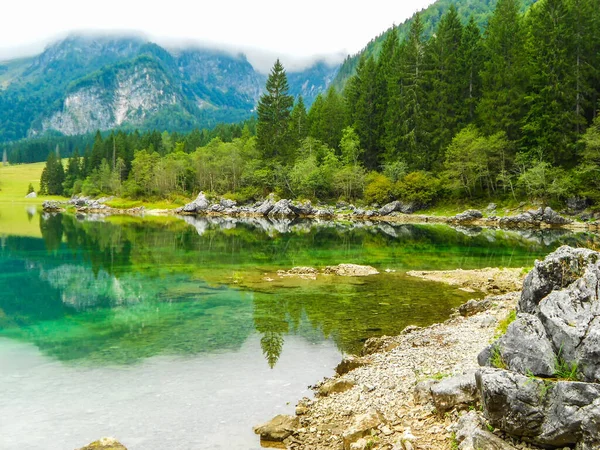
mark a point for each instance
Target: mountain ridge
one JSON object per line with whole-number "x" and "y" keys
{"x": 83, "y": 83}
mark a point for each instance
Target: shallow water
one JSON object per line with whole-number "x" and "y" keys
{"x": 176, "y": 334}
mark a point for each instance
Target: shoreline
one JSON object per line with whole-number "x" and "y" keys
{"x": 507, "y": 223}
{"x": 383, "y": 382}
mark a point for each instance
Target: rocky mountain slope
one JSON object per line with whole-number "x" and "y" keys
{"x": 84, "y": 83}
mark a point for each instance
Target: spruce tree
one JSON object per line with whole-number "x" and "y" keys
{"x": 504, "y": 72}
{"x": 552, "y": 121}
{"x": 274, "y": 108}
{"x": 298, "y": 122}
{"x": 471, "y": 63}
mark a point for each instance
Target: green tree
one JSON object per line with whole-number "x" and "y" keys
{"x": 53, "y": 176}
{"x": 504, "y": 72}
{"x": 471, "y": 64}
{"x": 274, "y": 108}
{"x": 298, "y": 122}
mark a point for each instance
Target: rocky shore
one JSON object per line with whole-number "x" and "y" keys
{"x": 394, "y": 212}
{"x": 440, "y": 387}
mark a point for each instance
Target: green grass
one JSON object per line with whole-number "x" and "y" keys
{"x": 497, "y": 360}
{"x": 504, "y": 323}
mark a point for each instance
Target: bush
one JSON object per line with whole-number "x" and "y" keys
{"x": 419, "y": 187}
{"x": 379, "y": 188}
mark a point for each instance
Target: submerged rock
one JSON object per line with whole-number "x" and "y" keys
{"x": 277, "y": 429}
{"x": 350, "y": 270}
{"x": 105, "y": 444}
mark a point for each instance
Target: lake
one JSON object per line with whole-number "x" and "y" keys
{"x": 178, "y": 333}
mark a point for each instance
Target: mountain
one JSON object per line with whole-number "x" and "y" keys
{"x": 481, "y": 10}
{"x": 84, "y": 83}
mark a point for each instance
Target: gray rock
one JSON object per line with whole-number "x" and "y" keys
{"x": 546, "y": 413}
{"x": 226, "y": 203}
{"x": 277, "y": 429}
{"x": 454, "y": 392}
{"x": 405, "y": 208}
{"x": 31, "y": 195}
{"x": 576, "y": 205}
{"x": 265, "y": 207}
{"x": 471, "y": 435}
{"x": 350, "y": 270}
{"x": 468, "y": 215}
{"x": 283, "y": 208}
{"x": 558, "y": 270}
{"x": 200, "y": 204}
{"x": 491, "y": 207}
{"x": 51, "y": 205}
{"x": 551, "y": 217}
{"x": 571, "y": 318}
{"x": 422, "y": 392}
{"x": 302, "y": 209}
{"x": 525, "y": 348}
{"x": 473, "y": 307}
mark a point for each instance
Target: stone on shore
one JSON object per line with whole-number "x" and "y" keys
{"x": 454, "y": 392}
{"x": 31, "y": 195}
{"x": 350, "y": 363}
{"x": 200, "y": 204}
{"x": 471, "y": 435}
{"x": 350, "y": 270}
{"x": 468, "y": 215}
{"x": 105, "y": 444}
{"x": 361, "y": 426}
{"x": 335, "y": 386}
{"x": 277, "y": 429}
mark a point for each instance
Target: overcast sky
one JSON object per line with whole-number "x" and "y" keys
{"x": 292, "y": 30}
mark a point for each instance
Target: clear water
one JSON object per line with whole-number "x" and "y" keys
{"x": 176, "y": 334}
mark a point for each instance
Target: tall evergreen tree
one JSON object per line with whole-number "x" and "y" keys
{"x": 552, "y": 119}
{"x": 471, "y": 63}
{"x": 406, "y": 133}
{"x": 298, "y": 122}
{"x": 504, "y": 72}
{"x": 444, "y": 78}
{"x": 274, "y": 108}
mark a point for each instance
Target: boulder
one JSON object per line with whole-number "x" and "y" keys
{"x": 302, "y": 209}
{"x": 265, "y": 207}
{"x": 473, "y": 307}
{"x": 558, "y": 270}
{"x": 454, "y": 392}
{"x": 31, "y": 195}
{"x": 468, "y": 215}
{"x": 350, "y": 270}
{"x": 277, "y": 429}
{"x": 378, "y": 345}
{"x": 361, "y": 426}
{"x": 397, "y": 206}
{"x": 576, "y": 205}
{"x": 200, "y": 204}
{"x": 51, "y": 205}
{"x": 283, "y": 208}
{"x": 324, "y": 213}
{"x": 335, "y": 386}
{"x": 350, "y": 363}
{"x": 551, "y": 217}
{"x": 524, "y": 348}
{"x": 471, "y": 434}
{"x": 535, "y": 217}
{"x": 546, "y": 413}
{"x": 226, "y": 203}
{"x": 105, "y": 444}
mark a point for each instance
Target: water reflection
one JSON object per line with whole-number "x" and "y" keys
{"x": 118, "y": 290}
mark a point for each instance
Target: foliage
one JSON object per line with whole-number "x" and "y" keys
{"x": 504, "y": 323}
{"x": 418, "y": 187}
{"x": 378, "y": 189}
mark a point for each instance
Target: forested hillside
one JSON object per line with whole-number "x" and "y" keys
{"x": 507, "y": 114}
{"x": 480, "y": 10}
{"x": 85, "y": 83}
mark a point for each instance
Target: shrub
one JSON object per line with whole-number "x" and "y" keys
{"x": 378, "y": 189}
{"x": 418, "y": 187}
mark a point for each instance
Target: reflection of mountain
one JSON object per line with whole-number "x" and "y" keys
{"x": 111, "y": 292}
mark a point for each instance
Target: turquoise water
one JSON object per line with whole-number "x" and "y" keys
{"x": 172, "y": 334}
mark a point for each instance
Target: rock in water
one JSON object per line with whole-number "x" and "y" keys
{"x": 105, "y": 444}
{"x": 350, "y": 270}
{"x": 277, "y": 429}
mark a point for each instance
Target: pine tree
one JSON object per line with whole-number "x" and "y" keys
{"x": 274, "y": 108}
{"x": 503, "y": 75}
